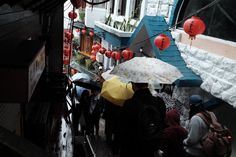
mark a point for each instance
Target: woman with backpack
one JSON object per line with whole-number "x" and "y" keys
{"x": 198, "y": 129}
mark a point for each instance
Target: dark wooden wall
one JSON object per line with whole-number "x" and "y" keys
{"x": 18, "y": 24}
{"x": 43, "y": 22}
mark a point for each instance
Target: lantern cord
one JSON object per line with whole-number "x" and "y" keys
{"x": 185, "y": 18}
{"x": 191, "y": 41}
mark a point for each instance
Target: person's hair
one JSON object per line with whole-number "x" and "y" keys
{"x": 195, "y": 109}
{"x": 137, "y": 86}
{"x": 167, "y": 89}
{"x": 84, "y": 96}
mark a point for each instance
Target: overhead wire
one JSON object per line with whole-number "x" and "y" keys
{"x": 185, "y": 18}
{"x": 67, "y": 7}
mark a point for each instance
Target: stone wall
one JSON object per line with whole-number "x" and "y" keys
{"x": 217, "y": 72}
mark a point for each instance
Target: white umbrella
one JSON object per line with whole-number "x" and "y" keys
{"x": 147, "y": 70}
{"x": 78, "y": 76}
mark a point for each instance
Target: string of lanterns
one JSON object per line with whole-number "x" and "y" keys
{"x": 116, "y": 54}
{"x": 192, "y": 26}
{"x": 69, "y": 36}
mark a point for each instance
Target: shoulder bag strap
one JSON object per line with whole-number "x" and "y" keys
{"x": 206, "y": 117}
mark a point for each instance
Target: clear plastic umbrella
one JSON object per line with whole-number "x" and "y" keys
{"x": 147, "y": 70}
{"x": 78, "y": 76}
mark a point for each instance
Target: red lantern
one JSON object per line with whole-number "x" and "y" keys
{"x": 127, "y": 54}
{"x": 115, "y": 55}
{"x": 93, "y": 57}
{"x": 66, "y": 51}
{"x": 102, "y": 50}
{"x": 96, "y": 47}
{"x": 91, "y": 34}
{"x": 194, "y": 26}
{"x": 66, "y": 46}
{"x": 93, "y": 52}
{"x": 72, "y": 15}
{"x": 69, "y": 35}
{"x": 83, "y": 31}
{"x": 66, "y": 60}
{"x": 108, "y": 53}
{"x": 77, "y": 30}
{"x": 162, "y": 41}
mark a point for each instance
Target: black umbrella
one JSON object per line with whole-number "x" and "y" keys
{"x": 89, "y": 84}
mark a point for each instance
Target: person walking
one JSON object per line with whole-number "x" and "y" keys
{"x": 198, "y": 129}
{"x": 95, "y": 111}
{"x": 133, "y": 141}
{"x": 173, "y": 136}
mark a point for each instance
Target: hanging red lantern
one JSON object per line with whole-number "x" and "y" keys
{"x": 91, "y": 34}
{"x": 115, "y": 55}
{"x": 69, "y": 35}
{"x": 102, "y": 50}
{"x": 93, "y": 57}
{"x": 66, "y": 51}
{"x": 66, "y": 46}
{"x": 66, "y": 60}
{"x": 127, "y": 54}
{"x": 162, "y": 42}
{"x": 108, "y": 53}
{"x": 131, "y": 54}
{"x": 72, "y": 15}
{"x": 96, "y": 47}
{"x": 194, "y": 26}
{"x": 77, "y": 30}
{"x": 93, "y": 52}
{"x": 83, "y": 31}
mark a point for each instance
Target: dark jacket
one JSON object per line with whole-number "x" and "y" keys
{"x": 130, "y": 143}
{"x": 174, "y": 134}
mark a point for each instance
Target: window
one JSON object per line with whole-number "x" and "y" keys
{"x": 137, "y": 8}
{"x": 219, "y": 19}
{"x": 122, "y": 7}
{"x": 112, "y": 6}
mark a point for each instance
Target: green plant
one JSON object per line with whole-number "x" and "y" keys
{"x": 82, "y": 14}
{"x": 128, "y": 25}
{"x": 108, "y": 20}
{"x": 115, "y": 24}
{"x": 123, "y": 25}
{"x": 76, "y": 43}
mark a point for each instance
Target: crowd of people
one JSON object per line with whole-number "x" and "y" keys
{"x": 133, "y": 131}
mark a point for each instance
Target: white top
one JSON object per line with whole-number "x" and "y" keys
{"x": 197, "y": 130}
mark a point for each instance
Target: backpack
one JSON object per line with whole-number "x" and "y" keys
{"x": 218, "y": 140}
{"x": 150, "y": 124}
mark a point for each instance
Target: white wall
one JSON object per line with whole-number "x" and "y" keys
{"x": 67, "y": 8}
{"x": 217, "y": 72}
{"x": 94, "y": 14}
